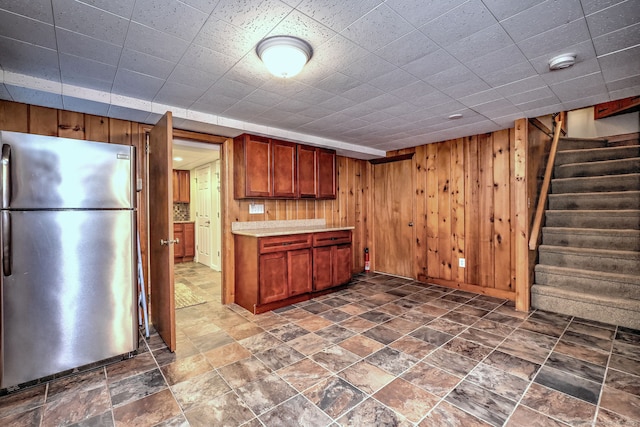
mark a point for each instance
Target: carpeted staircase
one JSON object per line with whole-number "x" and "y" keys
{"x": 589, "y": 259}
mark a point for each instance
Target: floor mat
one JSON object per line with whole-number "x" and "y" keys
{"x": 185, "y": 297}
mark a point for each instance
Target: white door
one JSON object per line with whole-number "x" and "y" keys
{"x": 216, "y": 221}
{"x": 203, "y": 215}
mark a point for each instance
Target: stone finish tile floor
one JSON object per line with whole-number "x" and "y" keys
{"x": 384, "y": 351}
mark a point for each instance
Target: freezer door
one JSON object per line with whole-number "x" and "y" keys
{"x": 42, "y": 172}
{"x": 68, "y": 291}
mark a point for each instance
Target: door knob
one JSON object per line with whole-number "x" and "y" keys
{"x": 168, "y": 242}
{"x": 411, "y": 224}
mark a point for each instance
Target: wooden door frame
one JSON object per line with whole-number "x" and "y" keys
{"x": 372, "y": 204}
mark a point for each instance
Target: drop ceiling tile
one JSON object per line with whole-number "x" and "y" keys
{"x": 125, "y": 113}
{"x": 300, "y": 25}
{"x": 588, "y": 101}
{"x": 431, "y": 64}
{"x": 381, "y": 102}
{"x": 367, "y": 68}
{"x": 581, "y": 68}
{"x": 255, "y": 17}
{"x": 362, "y": 93}
{"x": 543, "y": 111}
{"x": 72, "y": 103}
{"x": 394, "y": 80}
{"x": 359, "y": 110}
{"x": 178, "y": 95}
{"x": 264, "y": 97}
{"x": 403, "y": 109}
{"x": 419, "y": 12}
{"x": 29, "y": 59}
{"x": 538, "y": 103}
{"x": 315, "y": 112}
{"x": 136, "y": 85}
{"x": 74, "y": 66}
{"x": 581, "y": 87}
{"x": 230, "y": 88}
{"x": 191, "y": 77}
{"x": 481, "y": 43}
{"x": 35, "y": 9}
{"x": 250, "y": 70}
{"x": 4, "y": 93}
{"x": 284, "y": 87}
{"x": 414, "y": 91}
{"x": 496, "y": 61}
{"x": 313, "y": 72}
{"x": 35, "y": 97}
{"x": 629, "y": 82}
{"x": 292, "y": 106}
{"x": 90, "y": 21}
{"x": 337, "y": 103}
{"x": 207, "y": 60}
{"x": 245, "y": 110}
{"x": 221, "y": 36}
{"x": 450, "y": 77}
{"x": 620, "y": 65}
{"x": 435, "y": 98}
{"x": 87, "y": 81}
{"x": 520, "y": 86}
{"x": 407, "y": 48}
{"x": 366, "y": 30}
{"x": 87, "y": 47}
{"x": 338, "y": 52}
{"x": 213, "y": 104}
{"x": 617, "y": 40}
{"x": 624, "y": 93}
{"x": 27, "y": 30}
{"x": 313, "y": 95}
{"x": 155, "y": 43}
{"x": 469, "y": 87}
{"x": 377, "y": 117}
{"x": 337, "y": 83}
{"x": 185, "y": 20}
{"x": 612, "y": 18}
{"x": 559, "y": 38}
{"x": 146, "y": 64}
{"x": 542, "y": 17}
{"x": 509, "y": 74}
{"x": 205, "y": 6}
{"x": 496, "y": 108}
{"x": 336, "y": 14}
{"x": 463, "y": 21}
{"x": 122, "y": 8}
{"x": 481, "y": 97}
{"x": 504, "y": 9}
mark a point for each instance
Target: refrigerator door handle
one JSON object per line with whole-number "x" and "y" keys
{"x": 6, "y": 243}
{"x": 6, "y": 176}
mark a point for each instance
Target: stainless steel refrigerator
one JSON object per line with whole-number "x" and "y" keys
{"x": 68, "y": 293}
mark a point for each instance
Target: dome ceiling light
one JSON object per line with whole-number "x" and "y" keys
{"x": 559, "y": 62}
{"x": 284, "y": 56}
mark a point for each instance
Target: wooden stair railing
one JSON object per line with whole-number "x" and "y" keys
{"x": 544, "y": 192}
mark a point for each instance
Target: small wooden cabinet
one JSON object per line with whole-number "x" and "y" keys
{"x": 185, "y": 249}
{"x": 272, "y": 272}
{"x": 181, "y": 186}
{"x": 270, "y": 168}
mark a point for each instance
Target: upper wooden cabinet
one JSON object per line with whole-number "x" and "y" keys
{"x": 270, "y": 168}
{"x": 181, "y": 186}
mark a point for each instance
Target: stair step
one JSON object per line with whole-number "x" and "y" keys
{"x": 595, "y": 154}
{"x": 623, "y": 240}
{"x": 609, "y": 261}
{"x": 594, "y": 306}
{"x": 590, "y": 184}
{"x": 622, "y": 285}
{"x": 580, "y": 143}
{"x": 600, "y": 218}
{"x": 598, "y": 168}
{"x": 602, "y": 200}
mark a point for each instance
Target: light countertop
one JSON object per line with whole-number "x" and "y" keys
{"x": 281, "y": 228}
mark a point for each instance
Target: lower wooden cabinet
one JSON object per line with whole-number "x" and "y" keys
{"x": 272, "y": 272}
{"x": 185, "y": 249}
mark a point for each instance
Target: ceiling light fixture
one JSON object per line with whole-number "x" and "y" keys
{"x": 455, "y": 116}
{"x": 177, "y": 159}
{"x": 284, "y": 56}
{"x": 559, "y": 62}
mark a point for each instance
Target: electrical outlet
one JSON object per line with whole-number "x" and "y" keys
{"x": 462, "y": 263}
{"x": 256, "y": 208}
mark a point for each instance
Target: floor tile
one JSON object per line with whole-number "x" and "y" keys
{"x": 432, "y": 379}
{"x": 588, "y": 354}
{"x": 481, "y": 337}
{"x": 366, "y": 377}
{"x": 498, "y": 381}
{"x": 186, "y": 368}
{"x": 297, "y": 411}
{"x": 581, "y": 328}
{"x": 624, "y": 364}
{"x": 226, "y": 354}
{"x": 314, "y": 323}
{"x": 407, "y": 399}
{"x": 589, "y": 371}
{"x": 28, "y": 417}
{"x": 335, "y": 396}
{"x": 361, "y": 345}
{"x": 149, "y": 410}
{"x": 621, "y": 403}
{"x": 199, "y": 390}
{"x": 260, "y": 342}
{"x": 632, "y": 351}
{"x": 558, "y": 405}
{"x": 413, "y": 346}
{"x": 623, "y": 381}
{"x": 586, "y": 340}
{"x": 335, "y": 333}
{"x": 482, "y": 403}
{"x": 279, "y": 357}
{"x": 304, "y": 374}
{"x": 382, "y": 334}
{"x": 263, "y": 394}
{"x": 335, "y": 358}
{"x": 335, "y": 315}
{"x": 23, "y": 400}
{"x": 136, "y": 387}
{"x": 445, "y": 414}
{"x": 495, "y": 328}
{"x": 309, "y": 344}
{"x": 524, "y": 350}
{"x": 606, "y": 418}
{"x": 243, "y": 371}
{"x": 512, "y": 364}
{"x": 431, "y": 336}
{"x": 468, "y": 349}
{"x": 453, "y": 363}
{"x": 524, "y": 416}
{"x": 391, "y": 360}
{"x": 72, "y": 407}
{"x": 373, "y": 413}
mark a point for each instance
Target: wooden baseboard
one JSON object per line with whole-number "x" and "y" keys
{"x": 476, "y": 289}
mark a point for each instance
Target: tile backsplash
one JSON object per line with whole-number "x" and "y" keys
{"x": 181, "y": 211}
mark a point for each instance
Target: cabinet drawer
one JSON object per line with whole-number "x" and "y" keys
{"x": 331, "y": 238}
{"x": 284, "y": 243}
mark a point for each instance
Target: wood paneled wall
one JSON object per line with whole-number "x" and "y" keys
{"x": 465, "y": 208}
{"x": 25, "y": 118}
{"x": 350, "y": 208}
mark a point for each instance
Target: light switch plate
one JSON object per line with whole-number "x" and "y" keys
{"x": 256, "y": 208}
{"x": 462, "y": 263}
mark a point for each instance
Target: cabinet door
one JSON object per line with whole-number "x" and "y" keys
{"x": 189, "y": 240}
{"x": 184, "y": 185}
{"x": 307, "y": 172}
{"x": 342, "y": 264}
{"x": 284, "y": 168}
{"x": 273, "y": 277}
{"x": 299, "y": 271}
{"x": 257, "y": 164}
{"x": 178, "y": 234}
{"x": 322, "y": 274}
{"x": 326, "y": 174}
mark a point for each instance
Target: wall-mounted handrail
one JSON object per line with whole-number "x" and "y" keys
{"x": 544, "y": 192}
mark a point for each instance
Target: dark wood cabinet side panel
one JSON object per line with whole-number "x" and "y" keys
{"x": 246, "y": 272}
{"x": 342, "y": 264}
{"x": 284, "y": 169}
{"x": 273, "y": 277}
{"x": 322, "y": 273}
{"x": 299, "y": 271}
{"x": 307, "y": 172}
